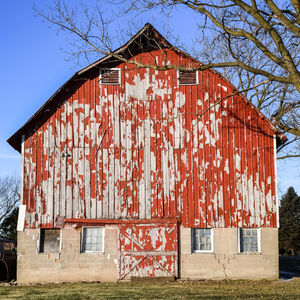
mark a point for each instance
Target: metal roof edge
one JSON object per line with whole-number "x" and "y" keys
{"x": 12, "y": 140}
{"x": 16, "y": 144}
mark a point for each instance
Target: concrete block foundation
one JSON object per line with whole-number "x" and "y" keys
{"x": 225, "y": 262}
{"x": 70, "y": 265}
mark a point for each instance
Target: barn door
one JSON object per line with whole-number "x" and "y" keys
{"x": 148, "y": 250}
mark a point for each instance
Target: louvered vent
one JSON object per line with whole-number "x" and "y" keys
{"x": 110, "y": 76}
{"x": 188, "y": 77}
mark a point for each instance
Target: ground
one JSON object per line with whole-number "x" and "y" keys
{"x": 279, "y": 289}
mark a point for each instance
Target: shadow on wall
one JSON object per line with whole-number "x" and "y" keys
{"x": 289, "y": 266}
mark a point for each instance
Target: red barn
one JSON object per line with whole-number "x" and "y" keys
{"x": 132, "y": 171}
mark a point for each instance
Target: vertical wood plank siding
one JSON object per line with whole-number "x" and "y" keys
{"x": 142, "y": 150}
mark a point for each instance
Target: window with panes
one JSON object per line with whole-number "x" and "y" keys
{"x": 202, "y": 240}
{"x": 249, "y": 240}
{"x": 92, "y": 239}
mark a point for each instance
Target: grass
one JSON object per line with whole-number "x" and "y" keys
{"x": 289, "y": 289}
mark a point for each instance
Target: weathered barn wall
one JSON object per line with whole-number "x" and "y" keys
{"x": 70, "y": 265}
{"x": 143, "y": 150}
{"x": 225, "y": 262}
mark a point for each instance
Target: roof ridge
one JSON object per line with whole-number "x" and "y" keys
{"x": 15, "y": 139}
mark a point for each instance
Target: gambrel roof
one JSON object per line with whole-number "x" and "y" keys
{"x": 148, "y": 38}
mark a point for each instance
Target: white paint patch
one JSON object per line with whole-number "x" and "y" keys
{"x": 218, "y": 154}
{"x": 206, "y": 97}
{"x": 217, "y": 107}
{"x": 223, "y": 87}
{"x": 238, "y": 162}
{"x": 181, "y": 97}
{"x": 220, "y": 196}
{"x": 21, "y": 217}
{"x": 207, "y": 135}
{"x": 200, "y": 127}
{"x": 141, "y": 86}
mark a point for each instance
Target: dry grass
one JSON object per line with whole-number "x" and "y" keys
{"x": 150, "y": 290}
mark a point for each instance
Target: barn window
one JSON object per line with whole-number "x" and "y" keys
{"x": 92, "y": 239}
{"x": 49, "y": 241}
{"x": 187, "y": 78}
{"x": 249, "y": 240}
{"x": 110, "y": 76}
{"x": 202, "y": 240}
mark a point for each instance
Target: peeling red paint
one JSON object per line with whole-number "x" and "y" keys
{"x": 148, "y": 250}
{"x": 141, "y": 150}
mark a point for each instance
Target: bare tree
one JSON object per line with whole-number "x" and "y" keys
{"x": 258, "y": 42}
{"x": 273, "y": 27}
{"x": 9, "y": 195}
{"x": 278, "y": 101}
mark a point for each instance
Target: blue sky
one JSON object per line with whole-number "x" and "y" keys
{"x": 33, "y": 66}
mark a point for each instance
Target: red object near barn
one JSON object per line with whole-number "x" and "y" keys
{"x": 145, "y": 172}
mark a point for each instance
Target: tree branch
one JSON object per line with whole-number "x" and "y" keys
{"x": 288, "y": 156}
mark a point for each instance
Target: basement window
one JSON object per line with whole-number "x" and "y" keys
{"x": 249, "y": 240}
{"x": 92, "y": 239}
{"x": 187, "y": 78}
{"x": 49, "y": 241}
{"x": 110, "y": 76}
{"x": 202, "y": 240}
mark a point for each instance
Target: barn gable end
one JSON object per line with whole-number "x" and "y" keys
{"x": 141, "y": 148}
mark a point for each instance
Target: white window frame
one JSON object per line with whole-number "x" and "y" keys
{"x": 197, "y": 80}
{"x": 81, "y": 240}
{"x": 108, "y": 69}
{"x": 211, "y": 238}
{"x": 258, "y": 241}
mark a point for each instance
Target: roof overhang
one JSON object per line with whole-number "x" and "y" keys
{"x": 148, "y": 32}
